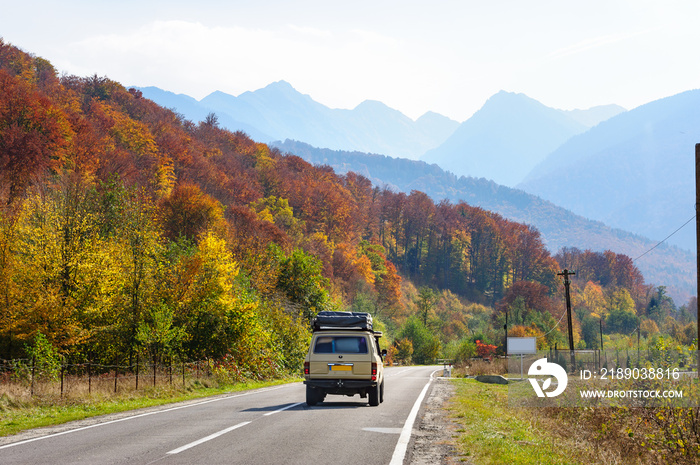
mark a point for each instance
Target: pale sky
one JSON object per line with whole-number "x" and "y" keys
{"x": 447, "y": 56}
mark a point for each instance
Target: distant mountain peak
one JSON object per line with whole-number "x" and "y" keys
{"x": 505, "y": 139}
{"x": 281, "y": 84}
{"x": 371, "y": 104}
{"x": 511, "y": 99}
{"x": 277, "y": 88}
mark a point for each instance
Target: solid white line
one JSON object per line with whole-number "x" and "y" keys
{"x": 208, "y": 438}
{"x": 283, "y": 409}
{"x": 405, "y": 438}
{"x": 26, "y": 441}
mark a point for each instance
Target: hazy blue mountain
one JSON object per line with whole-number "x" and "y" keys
{"x": 278, "y": 112}
{"x": 434, "y": 123}
{"x": 595, "y": 115}
{"x": 635, "y": 171}
{"x": 194, "y": 110}
{"x": 505, "y": 139}
{"x": 665, "y": 265}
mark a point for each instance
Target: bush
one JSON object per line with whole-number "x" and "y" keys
{"x": 43, "y": 358}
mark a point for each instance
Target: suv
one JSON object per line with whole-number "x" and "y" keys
{"x": 344, "y": 358}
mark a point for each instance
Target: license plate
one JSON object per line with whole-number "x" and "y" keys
{"x": 341, "y": 367}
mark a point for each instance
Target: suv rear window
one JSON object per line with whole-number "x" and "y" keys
{"x": 340, "y": 345}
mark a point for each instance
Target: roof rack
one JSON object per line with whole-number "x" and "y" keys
{"x": 342, "y": 320}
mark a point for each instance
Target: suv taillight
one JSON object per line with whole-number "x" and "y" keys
{"x": 374, "y": 371}
{"x": 307, "y": 368}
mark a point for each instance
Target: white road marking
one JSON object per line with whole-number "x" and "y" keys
{"x": 392, "y": 373}
{"x": 383, "y": 430}
{"x": 405, "y": 438}
{"x": 283, "y": 409}
{"x": 208, "y": 438}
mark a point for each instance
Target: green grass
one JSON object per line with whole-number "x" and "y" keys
{"x": 491, "y": 432}
{"x": 19, "y": 415}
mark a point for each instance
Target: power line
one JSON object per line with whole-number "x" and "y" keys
{"x": 553, "y": 327}
{"x": 665, "y": 239}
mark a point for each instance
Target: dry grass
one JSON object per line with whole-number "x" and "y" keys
{"x": 642, "y": 436}
{"x": 103, "y": 385}
{"x": 476, "y": 367}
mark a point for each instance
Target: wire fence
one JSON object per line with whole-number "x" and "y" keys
{"x": 34, "y": 378}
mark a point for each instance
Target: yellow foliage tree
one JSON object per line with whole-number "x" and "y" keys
{"x": 593, "y": 299}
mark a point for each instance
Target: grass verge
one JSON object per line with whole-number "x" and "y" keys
{"x": 490, "y": 432}
{"x": 19, "y": 415}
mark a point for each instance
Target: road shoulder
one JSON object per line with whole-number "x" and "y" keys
{"x": 434, "y": 430}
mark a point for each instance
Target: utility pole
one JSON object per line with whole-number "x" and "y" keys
{"x": 566, "y": 273}
{"x": 505, "y": 326}
{"x": 697, "y": 233}
{"x": 638, "y": 333}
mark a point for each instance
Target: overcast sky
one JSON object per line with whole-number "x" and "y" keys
{"x": 447, "y": 56}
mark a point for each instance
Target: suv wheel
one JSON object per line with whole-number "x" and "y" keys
{"x": 313, "y": 396}
{"x": 381, "y": 393}
{"x": 374, "y": 395}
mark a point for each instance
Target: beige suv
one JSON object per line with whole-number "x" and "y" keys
{"x": 344, "y": 358}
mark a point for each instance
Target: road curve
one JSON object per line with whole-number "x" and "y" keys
{"x": 263, "y": 426}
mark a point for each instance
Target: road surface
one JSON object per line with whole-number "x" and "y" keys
{"x": 264, "y": 426}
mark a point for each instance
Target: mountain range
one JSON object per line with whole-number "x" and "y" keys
{"x": 631, "y": 170}
{"x": 279, "y": 112}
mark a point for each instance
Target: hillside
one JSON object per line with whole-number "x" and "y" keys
{"x": 669, "y": 266}
{"x": 634, "y": 171}
{"x": 127, "y": 231}
{"x": 278, "y": 112}
{"x": 505, "y": 139}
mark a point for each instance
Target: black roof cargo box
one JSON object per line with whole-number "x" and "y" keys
{"x": 342, "y": 320}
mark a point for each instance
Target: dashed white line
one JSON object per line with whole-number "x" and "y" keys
{"x": 227, "y": 430}
{"x": 283, "y": 409}
{"x": 208, "y": 438}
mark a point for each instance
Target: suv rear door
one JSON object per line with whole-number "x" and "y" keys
{"x": 341, "y": 355}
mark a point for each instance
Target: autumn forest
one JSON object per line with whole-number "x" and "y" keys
{"x": 126, "y": 229}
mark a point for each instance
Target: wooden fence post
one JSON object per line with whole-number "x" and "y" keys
{"x": 116, "y": 374}
{"x": 137, "y": 371}
{"x": 31, "y": 389}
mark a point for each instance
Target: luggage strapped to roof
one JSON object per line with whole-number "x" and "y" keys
{"x": 342, "y": 320}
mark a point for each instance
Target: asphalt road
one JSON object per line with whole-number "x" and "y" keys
{"x": 264, "y": 426}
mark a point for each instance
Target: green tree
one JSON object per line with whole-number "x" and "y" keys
{"x": 157, "y": 334}
{"x": 590, "y": 331}
{"x": 300, "y": 279}
{"x": 426, "y": 345}
{"x": 44, "y": 357}
{"x": 427, "y": 298}
{"x": 621, "y": 321}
